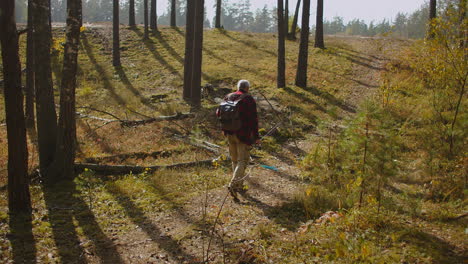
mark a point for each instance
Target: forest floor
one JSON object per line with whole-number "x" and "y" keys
{"x": 186, "y": 215}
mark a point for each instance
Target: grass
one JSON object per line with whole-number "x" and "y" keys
{"x": 132, "y": 218}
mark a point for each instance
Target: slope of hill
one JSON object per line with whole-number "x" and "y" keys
{"x": 185, "y": 215}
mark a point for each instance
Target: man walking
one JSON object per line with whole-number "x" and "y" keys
{"x": 238, "y": 116}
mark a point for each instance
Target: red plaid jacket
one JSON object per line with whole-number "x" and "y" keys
{"x": 248, "y": 133}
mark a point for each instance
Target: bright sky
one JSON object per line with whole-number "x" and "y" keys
{"x": 367, "y": 10}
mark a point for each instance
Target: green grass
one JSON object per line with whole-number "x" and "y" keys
{"x": 86, "y": 219}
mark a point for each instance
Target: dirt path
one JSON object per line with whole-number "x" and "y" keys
{"x": 181, "y": 234}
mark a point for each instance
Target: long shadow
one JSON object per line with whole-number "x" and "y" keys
{"x": 21, "y": 238}
{"x": 225, "y": 33}
{"x": 95, "y": 137}
{"x": 289, "y": 215}
{"x": 440, "y": 251}
{"x": 102, "y": 73}
{"x": 330, "y": 99}
{"x": 356, "y": 60}
{"x": 152, "y": 48}
{"x": 65, "y": 206}
{"x": 168, "y": 47}
{"x": 124, "y": 79}
{"x": 353, "y": 51}
{"x": 306, "y": 99}
{"x": 347, "y": 77}
{"x": 213, "y": 55}
{"x": 138, "y": 217}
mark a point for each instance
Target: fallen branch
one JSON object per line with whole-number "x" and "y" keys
{"x": 135, "y": 155}
{"x": 126, "y": 169}
{"x": 202, "y": 144}
{"x": 178, "y": 116}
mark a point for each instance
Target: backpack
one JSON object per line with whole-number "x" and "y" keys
{"x": 228, "y": 113}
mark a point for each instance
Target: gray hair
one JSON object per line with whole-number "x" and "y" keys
{"x": 243, "y": 84}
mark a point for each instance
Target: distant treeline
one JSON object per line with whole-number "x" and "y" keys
{"x": 238, "y": 15}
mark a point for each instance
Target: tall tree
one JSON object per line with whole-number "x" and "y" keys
{"x": 145, "y": 10}
{"x": 319, "y": 26}
{"x": 173, "y": 13}
{"x": 45, "y": 106}
{"x": 64, "y": 159}
{"x": 292, "y": 34}
{"x": 286, "y": 17}
{"x": 30, "y": 70}
{"x": 131, "y": 13}
{"x": 301, "y": 74}
{"x": 116, "y": 35}
{"x": 432, "y": 15}
{"x": 193, "y": 52}
{"x": 218, "y": 14}
{"x": 18, "y": 183}
{"x": 153, "y": 17}
{"x": 281, "y": 78}
{"x": 188, "y": 61}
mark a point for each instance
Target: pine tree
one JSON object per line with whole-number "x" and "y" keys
{"x": 116, "y": 35}
{"x": 301, "y": 75}
{"x": 281, "y": 77}
{"x": 18, "y": 183}
{"x": 131, "y": 14}
{"x": 319, "y": 26}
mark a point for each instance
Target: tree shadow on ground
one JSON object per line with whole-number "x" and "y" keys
{"x": 305, "y": 98}
{"x": 124, "y": 79}
{"x": 331, "y": 99}
{"x": 347, "y": 77}
{"x": 21, "y": 238}
{"x": 246, "y": 43}
{"x": 439, "y": 250}
{"x": 355, "y": 59}
{"x": 66, "y": 207}
{"x": 152, "y": 48}
{"x": 138, "y": 217}
{"x": 289, "y": 215}
{"x": 95, "y": 137}
{"x": 100, "y": 70}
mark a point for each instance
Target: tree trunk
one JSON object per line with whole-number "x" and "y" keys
{"x": 281, "y": 78}
{"x": 173, "y": 13}
{"x": 286, "y": 17}
{"x": 197, "y": 53}
{"x": 218, "y": 14}
{"x": 19, "y": 199}
{"x": 153, "y": 18}
{"x": 301, "y": 75}
{"x": 188, "y": 62}
{"x": 131, "y": 13}
{"x": 30, "y": 71}
{"x": 62, "y": 167}
{"x": 319, "y": 26}
{"x": 45, "y": 106}
{"x": 292, "y": 34}
{"x": 432, "y": 16}
{"x": 116, "y": 36}
{"x": 145, "y": 10}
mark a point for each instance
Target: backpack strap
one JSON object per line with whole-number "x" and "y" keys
{"x": 241, "y": 97}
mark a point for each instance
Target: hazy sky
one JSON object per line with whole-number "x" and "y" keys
{"x": 367, "y": 10}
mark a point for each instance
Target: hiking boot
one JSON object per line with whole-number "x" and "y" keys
{"x": 233, "y": 193}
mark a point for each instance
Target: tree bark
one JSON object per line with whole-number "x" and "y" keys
{"x": 173, "y": 13}
{"x": 319, "y": 26}
{"x": 286, "y": 17}
{"x": 62, "y": 167}
{"x": 292, "y": 34}
{"x": 145, "y": 10}
{"x": 188, "y": 61}
{"x": 116, "y": 36}
{"x": 19, "y": 199}
{"x": 45, "y": 106}
{"x": 432, "y": 16}
{"x": 218, "y": 14}
{"x": 131, "y": 13}
{"x": 197, "y": 53}
{"x": 281, "y": 75}
{"x": 153, "y": 18}
{"x": 30, "y": 70}
{"x": 301, "y": 75}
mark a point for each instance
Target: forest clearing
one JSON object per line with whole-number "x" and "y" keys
{"x": 365, "y": 164}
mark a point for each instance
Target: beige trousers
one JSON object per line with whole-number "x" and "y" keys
{"x": 240, "y": 155}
